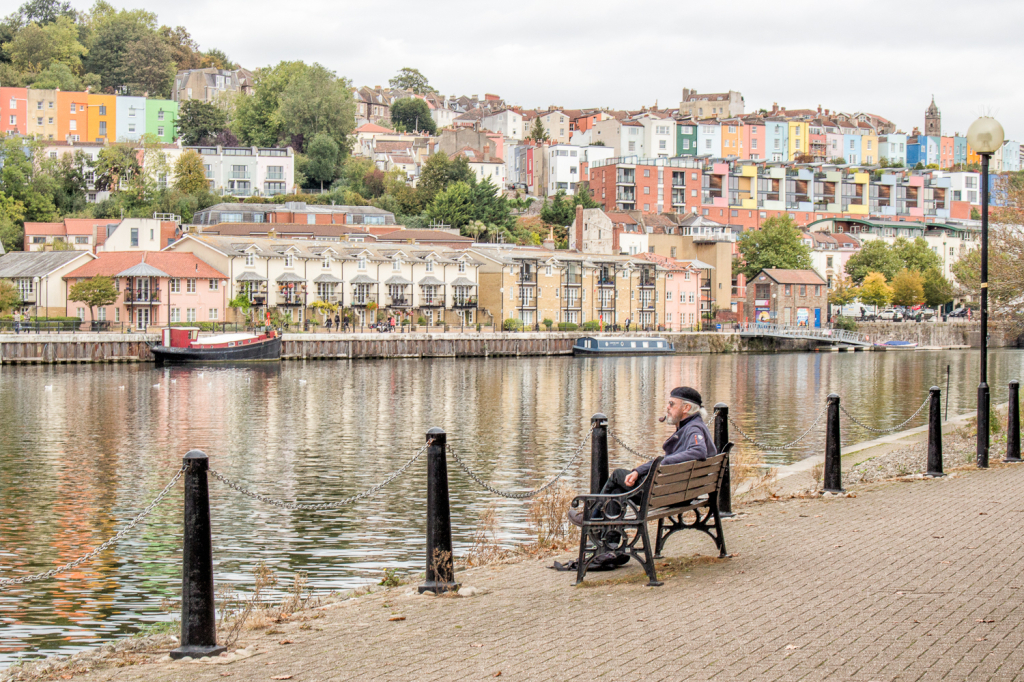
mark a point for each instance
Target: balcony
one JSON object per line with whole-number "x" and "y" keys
{"x": 273, "y": 176}
{"x": 605, "y": 282}
{"x": 574, "y": 280}
{"x": 363, "y": 299}
{"x": 141, "y": 297}
{"x": 629, "y": 196}
{"x": 431, "y": 302}
{"x": 573, "y": 304}
{"x": 464, "y": 302}
{"x": 399, "y": 302}
{"x": 290, "y": 300}
{"x": 240, "y": 175}
{"x": 329, "y": 298}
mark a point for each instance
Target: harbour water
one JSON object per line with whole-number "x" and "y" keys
{"x": 84, "y": 448}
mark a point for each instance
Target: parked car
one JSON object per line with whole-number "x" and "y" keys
{"x": 890, "y": 315}
{"x": 924, "y": 315}
{"x": 959, "y": 312}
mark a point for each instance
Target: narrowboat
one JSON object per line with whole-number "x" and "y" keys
{"x": 622, "y": 345}
{"x": 182, "y": 344}
{"x": 897, "y": 345}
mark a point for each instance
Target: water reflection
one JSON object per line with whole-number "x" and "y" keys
{"x": 80, "y": 458}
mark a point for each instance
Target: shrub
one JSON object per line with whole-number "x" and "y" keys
{"x": 421, "y": 321}
{"x": 846, "y": 323}
{"x": 590, "y": 326}
{"x": 567, "y": 326}
{"x": 405, "y": 321}
{"x": 548, "y": 322}
{"x": 512, "y": 325}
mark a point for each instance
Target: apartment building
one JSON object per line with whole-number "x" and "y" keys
{"x": 102, "y": 118}
{"x": 14, "y": 110}
{"x": 372, "y": 219}
{"x": 42, "y": 114}
{"x": 210, "y": 84}
{"x": 721, "y": 104}
{"x": 248, "y": 171}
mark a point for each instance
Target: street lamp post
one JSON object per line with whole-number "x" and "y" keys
{"x": 986, "y": 136}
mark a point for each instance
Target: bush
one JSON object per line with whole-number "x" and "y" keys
{"x": 405, "y": 321}
{"x": 590, "y": 326}
{"x": 567, "y": 326}
{"x": 512, "y": 325}
{"x": 846, "y": 323}
{"x": 421, "y": 321}
{"x": 548, "y": 322}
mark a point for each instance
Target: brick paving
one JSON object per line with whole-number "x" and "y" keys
{"x": 907, "y": 581}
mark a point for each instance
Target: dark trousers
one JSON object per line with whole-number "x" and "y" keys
{"x": 616, "y": 483}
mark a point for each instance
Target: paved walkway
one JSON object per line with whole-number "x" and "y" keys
{"x": 907, "y": 581}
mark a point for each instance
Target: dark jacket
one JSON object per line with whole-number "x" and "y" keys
{"x": 691, "y": 441}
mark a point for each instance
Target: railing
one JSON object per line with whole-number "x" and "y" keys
{"x": 399, "y": 302}
{"x": 431, "y": 301}
{"x": 811, "y": 333}
{"x": 364, "y": 299}
{"x": 464, "y": 302}
{"x": 141, "y": 297}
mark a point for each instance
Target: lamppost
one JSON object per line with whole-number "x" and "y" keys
{"x": 986, "y": 136}
{"x": 35, "y": 281}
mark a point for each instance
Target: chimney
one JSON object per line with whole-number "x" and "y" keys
{"x": 819, "y": 108}
{"x": 95, "y": 246}
{"x": 272, "y": 233}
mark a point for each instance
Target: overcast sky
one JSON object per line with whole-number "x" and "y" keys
{"x": 884, "y": 57}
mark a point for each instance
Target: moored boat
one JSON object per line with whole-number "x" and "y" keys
{"x": 898, "y": 345}
{"x": 622, "y": 345}
{"x": 182, "y": 344}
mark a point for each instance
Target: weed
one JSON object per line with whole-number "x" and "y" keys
{"x": 818, "y": 474}
{"x": 164, "y": 627}
{"x": 548, "y": 516}
{"x": 486, "y": 548}
{"x": 390, "y": 578}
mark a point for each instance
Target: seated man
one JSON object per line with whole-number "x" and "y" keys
{"x": 691, "y": 441}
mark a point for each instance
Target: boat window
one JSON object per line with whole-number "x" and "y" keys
{"x": 632, "y": 344}
{"x": 646, "y": 344}
{"x": 660, "y": 344}
{"x": 590, "y": 343}
{"x": 231, "y": 344}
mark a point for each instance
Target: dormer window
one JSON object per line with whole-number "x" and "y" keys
{"x": 430, "y": 266}
{"x": 250, "y": 260}
{"x": 289, "y": 260}
{"x": 462, "y": 266}
{"x": 396, "y": 265}
{"x": 326, "y": 264}
{"x": 362, "y": 264}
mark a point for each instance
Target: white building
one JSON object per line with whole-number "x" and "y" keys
{"x": 659, "y": 136}
{"x": 563, "y": 168}
{"x": 625, "y": 137}
{"x": 485, "y": 166}
{"x": 507, "y": 122}
{"x": 249, "y": 171}
{"x": 893, "y": 147}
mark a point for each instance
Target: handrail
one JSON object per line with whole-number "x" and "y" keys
{"x": 817, "y": 333}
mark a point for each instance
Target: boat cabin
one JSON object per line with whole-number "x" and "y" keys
{"x": 622, "y": 345}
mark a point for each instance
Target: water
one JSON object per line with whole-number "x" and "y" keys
{"x": 81, "y": 457}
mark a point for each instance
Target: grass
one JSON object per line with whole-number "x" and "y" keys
{"x": 164, "y": 627}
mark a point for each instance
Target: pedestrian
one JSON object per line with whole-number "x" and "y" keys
{"x": 337, "y": 322}
{"x": 391, "y": 323}
{"x": 17, "y": 322}
{"x": 328, "y": 324}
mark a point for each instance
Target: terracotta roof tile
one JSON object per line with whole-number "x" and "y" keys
{"x": 794, "y": 276}
{"x": 174, "y": 263}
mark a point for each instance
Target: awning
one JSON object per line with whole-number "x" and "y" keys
{"x": 463, "y": 282}
{"x": 700, "y": 265}
{"x": 250, "y": 277}
{"x": 397, "y": 279}
{"x": 363, "y": 279}
{"x": 290, "y": 277}
{"x": 142, "y": 270}
{"x": 328, "y": 278}
{"x": 430, "y": 281}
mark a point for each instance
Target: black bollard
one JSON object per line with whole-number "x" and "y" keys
{"x": 440, "y": 576}
{"x": 198, "y": 610}
{"x": 1013, "y": 425}
{"x": 721, "y": 440}
{"x": 833, "y": 453}
{"x": 934, "y": 433}
{"x": 598, "y": 453}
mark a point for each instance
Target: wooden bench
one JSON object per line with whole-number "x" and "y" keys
{"x": 618, "y": 523}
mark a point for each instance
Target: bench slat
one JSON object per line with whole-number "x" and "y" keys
{"x": 703, "y": 490}
{"x": 664, "y": 479}
{"x": 662, "y": 512}
{"x": 665, "y": 469}
{"x": 668, "y": 488}
{"x": 675, "y": 498}
{"x": 695, "y": 465}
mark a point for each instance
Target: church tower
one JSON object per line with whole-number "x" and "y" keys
{"x": 932, "y": 120}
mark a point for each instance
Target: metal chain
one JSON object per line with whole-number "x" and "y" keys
{"x": 324, "y": 505}
{"x": 5, "y": 582}
{"x": 529, "y": 493}
{"x": 889, "y": 430}
{"x": 787, "y": 446}
{"x": 714, "y": 415}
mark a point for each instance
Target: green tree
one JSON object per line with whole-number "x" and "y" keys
{"x": 452, "y": 206}
{"x": 317, "y": 101}
{"x": 322, "y": 153}
{"x": 778, "y": 244}
{"x": 117, "y": 166}
{"x": 875, "y": 291}
{"x": 184, "y": 50}
{"x": 537, "y": 131}
{"x": 69, "y": 174}
{"x": 12, "y": 221}
{"x": 22, "y": 180}
{"x": 10, "y": 299}
{"x": 98, "y": 291}
{"x": 411, "y": 79}
{"x": 434, "y": 176}
{"x": 938, "y": 291}
{"x": 35, "y": 47}
{"x": 150, "y": 66}
{"x": 198, "y": 119}
{"x": 45, "y": 12}
{"x": 115, "y": 32}
{"x": 844, "y": 292}
{"x": 57, "y": 76}
{"x": 916, "y": 255}
{"x": 255, "y": 121}
{"x": 414, "y": 114}
{"x": 908, "y": 288}
{"x": 874, "y": 256}
{"x": 190, "y": 173}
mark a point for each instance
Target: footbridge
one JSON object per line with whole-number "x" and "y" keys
{"x": 780, "y": 331}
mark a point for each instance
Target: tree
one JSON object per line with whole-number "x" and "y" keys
{"x": 12, "y": 221}
{"x": 198, "y": 119}
{"x": 114, "y": 34}
{"x": 452, "y": 206}
{"x": 908, "y": 288}
{"x": 9, "y": 296}
{"x": 938, "y": 291}
{"x": 434, "y": 176}
{"x": 216, "y": 59}
{"x": 317, "y": 101}
{"x": 255, "y": 121}
{"x": 778, "y": 244}
{"x": 414, "y": 114}
{"x": 411, "y": 79}
{"x": 844, "y": 292}
{"x": 916, "y": 255}
{"x": 537, "y": 131}
{"x": 322, "y": 152}
{"x": 35, "y": 47}
{"x": 45, "y": 12}
{"x": 69, "y": 174}
{"x": 117, "y": 165}
{"x": 874, "y": 256}
{"x": 57, "y": 76}
{"x": 875, "y": 291}
{"x": 150, "y": 66}
{"x": 184, "y": 50}
{"x": 189, "y": 173}
{"x": 98, "y": 291}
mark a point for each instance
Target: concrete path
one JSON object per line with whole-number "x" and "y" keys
{"x": 907, "y": 581}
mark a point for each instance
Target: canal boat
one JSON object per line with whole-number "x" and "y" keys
{"x": 897, "y": 345}
{"x": 622, "y": 345}
{"x": 182, "y": 344}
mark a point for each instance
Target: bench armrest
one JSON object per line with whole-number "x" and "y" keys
{"x": 601, "y": 506}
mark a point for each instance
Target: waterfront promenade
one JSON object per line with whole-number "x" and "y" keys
{"x": 915, "y": 580}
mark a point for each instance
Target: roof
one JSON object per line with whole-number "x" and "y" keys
{"x": 373, "y": 128}
{"x": 250, "y": 277}
{"x": 363, "y": 279}
{"x": 430, "y": 280}
{"x": 792, "y": 276}
{"x": 78, "y": 226}
{"x": 36, "y": 263}
{"x": 475, "y": 156}
{"x": 327, "y": 277}
{"x": 667, "y": 262}
{"x": 167, "y": 263}
{"x": 620, "y": 218}
{"x": 423, "y": 235}
{"x": 290, "y": 277}
{"x": 283, "y": 229}
{"x": 142, "y": 270}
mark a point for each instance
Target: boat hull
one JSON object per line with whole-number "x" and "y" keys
{"x": 253, "y": 352}
{"x": 623, "y": 351}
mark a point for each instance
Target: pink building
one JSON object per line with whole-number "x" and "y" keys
{"x": 14, "y": 110}
{"x": 154, "y": 287}
{"x": 754, "y": 139}
{"x": 682, "y": 291}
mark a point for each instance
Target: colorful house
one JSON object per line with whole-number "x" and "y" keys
{"x": 155, "y": 287}
{"x": 732, "y": 139}
{"x": 947, "y": 152}
{"x": 681, "y": 292}
{"x": 14, "y": 110}
{"x": 869, "y": 152}
{"x": 686, "y": 138}
{"x": 777, "y": 133}
{"x": 72, "y": 116}
{"x": 709, "y": 138}
{"x": 131, "y": 118}
{"x": 102, "y": 118}
{"x": 161, "y": 119}
{"x": 799, "y": 139}
{"x": 42, "y": 114}
{"x": 959, "y": 150}
{"x": 754, "y": 139}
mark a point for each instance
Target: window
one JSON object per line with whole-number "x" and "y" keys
{"x": 175, "y": 285}
{"x": 214, "y": 314}
{"x": 462, "y": 266}
{"x": 686, "y": 144}
{"x": 190, "y": 285}
{"x": 326, "y": 262}
{"x": 647, "y": 190}
{"x": 39, "y": 121}
{"x": 362, "y": 264}
{"x": 231, "y": 217}
{"x": 817, "y": 290}
{"x": 14, "y": 120}
{"x": 789, "y": 290}
{"x": 175, "y": 315}
{"x": 430, "y": 266}
{"x": 135, "y": 236}
{"x": 311, "y": 219}
{"x": 214, "y": 285}
{"x": 803, "y": 289}
{"x": 81, "y": 240}
{"x": 289, "y": 260}
{"x": 131, "y": 112}
{"x": 117, "y": 314}
{"x": 160, "y": 115}
{"x": 632, "y": 146}
{"x": 131, "y": 127}
{"x": 103, "y": 110}
{"x": 778, "y": 143}
{"x": 190, "y": 315}
{"x": 250, "y": 260}
{"x": 707, "y": 143}
{"x": 662, "y": 144}
{"x": 73, "y": 125}
{"x": 39, "y": 105}
{"x": 159, "y": 130}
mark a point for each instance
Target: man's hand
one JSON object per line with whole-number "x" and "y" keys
{"x": 631, "y": 478}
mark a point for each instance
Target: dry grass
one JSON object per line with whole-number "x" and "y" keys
{"x": 749, "y": 469}
{"x": 818, "y": 474}
{"x": 548, "y": 517}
